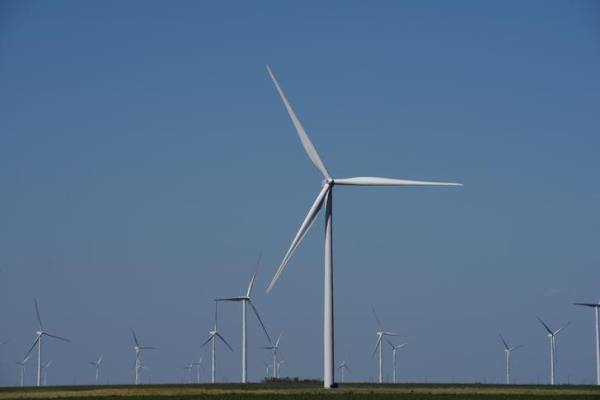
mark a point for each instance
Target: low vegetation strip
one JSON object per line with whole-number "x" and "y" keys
{"x": 301, "y": 392}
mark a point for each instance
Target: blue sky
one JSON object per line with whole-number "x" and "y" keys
{"x": 145, "y": 160}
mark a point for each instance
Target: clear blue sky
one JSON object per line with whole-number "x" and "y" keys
{"x": 145, "y": 160}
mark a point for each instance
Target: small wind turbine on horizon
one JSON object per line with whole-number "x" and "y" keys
{"x": 275, "y": 348}
{"x": 379, "y": 344}
{"x": 38, "y": 341}
{"x": 552, "y": 335}
{"x": 325, "y": 196}
{"x": 199, "y": 366}
{"x": 395, "y": 348}
{"x": 343, "y": 367}
{"x": 247, "y": 300}
{"x": 213, "y": 336}
{"x": 596, "y": 307}
{"x": 190, "y": 369}
{"x": 45, "y": 371}
{"x": 138, "y": 351}
{"x": 21, "y": 364}
{"x": 508, "y": 350}
{"x": 96, "y": 365}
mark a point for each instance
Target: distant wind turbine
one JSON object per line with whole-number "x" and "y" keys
{"x": 395, "y": 348}
{"x": 552, "y": 335}
{"x": 266, "y": 364}
{"x": 325, "y": 196}
{"x": 379, "y": 344}
{"x": 508, "y": 350}
{"x": 198, "y": 365}
{"x": 275, "y": 348}
{"x": 596, "y": 307}
{"x": 96, "y": 365}
{"x": 213, "y": 336}
{"x": 45, "y": 371}
{"x": 38, "y": 341}
{"x": 22, "y": 367}
{"x": 247, "y": 300}
{"x": 138, "y": 352}
{"x": 343, "y": 367}
{"x": 190, "y": 369}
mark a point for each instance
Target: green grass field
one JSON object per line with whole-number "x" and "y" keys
{"x": 303, "y": 391}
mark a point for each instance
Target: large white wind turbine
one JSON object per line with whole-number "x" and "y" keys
{"x": 379, "y": 344}
{"x": 96, "y": 365}
{"x": 275, "y": 348}
{"x": 22, "y": 367}
{"x": 137, "y": 366}
{"x": 552, "y": 335}
{"x": 395, "y": 348}
{"x": 596, "y": 307}
{"x": 508, "y": 350}
{"x": 325, "y": 196}
{"x": 247, "y": 300}
{"x": 213, "y": 335}
{"x": 38, "y": 341}
{"x": 343, "y": 367}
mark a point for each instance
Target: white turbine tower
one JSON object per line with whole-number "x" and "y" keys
{"x": 247, "y": 300}
{"x": 325, "y": 196}
{"x": 596, "y": 307}
{"x": 96, "y": 365}
{"x": 45, "y": 371}
{"x": 213, "y": 336}
{"x": 38, "y": 341}
{"x": 21, "y": 364}
{"x": 199, "y": 366}
{"x": 508, "y": 350}
{"x": 138, "y": 351}
{"x": 343, "y": 367}
{"x": 275, "y": 348}
{"x": 379, "y": 344}
{"x": 552, "y": 335}
{"x": 395, "y": 348}
{"x": 267, "y": 369}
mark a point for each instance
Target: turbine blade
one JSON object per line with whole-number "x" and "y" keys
{"x": 251, "y": 284}
{"x": 37, "y": 314}
{"x": 135, "y": 339}
{"x": 376, "y": 318}
{"x": 57, "y": 337}
{"x": 506, "y": 346}
{"x": 100, "y": 359}
{"x": 278, "y": 339}
{"x": 308, "y": 146}
{"x": 587, "y": 304}
{"x": 208, "y": 340}
{"x": 28, "y": 354}
{"x": 562, "y": 327}
{"x": 377, "y": 344}
{"x": 239, "y": 298}
{"x": 306, "y": 224}
{"x": 545, "y": 326}
{"x": 516, "y": 347}
{"x": 260, "y": 320}
{"x": 375, "y": 181}
{"x": 392, "y": 345}
{"x": 224, "y": 341}
{"x": 390, "y": 333}
{"x": 147, "y": 348}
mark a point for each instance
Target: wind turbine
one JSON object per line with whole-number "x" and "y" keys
{"x": 325, "y": 196}
{"x": 596, "y": 308}
{"x": 190, "y": 369}
{"x": 22, "y": 365}
{"x": 38, "y": 341}
{"x": 379, "y": 345}
{"x": 96, "y": 365}
{"x": 45, "y": 371}
{"x": 213, "y": 336}
{"x": 247, "y": 300}
{"x": 275, "y": 348}
{"x": 552, "y": 335}
{"x": 343, "y": 367}
{"x": 508, "y": 350}
{"x": 267, "y": 369}
{"x": 138, "y": 351}
{"x": 199, "y": 366}
{"x": 395, "y": 348}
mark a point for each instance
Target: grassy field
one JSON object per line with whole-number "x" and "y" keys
{"x": 303, "y": 391}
